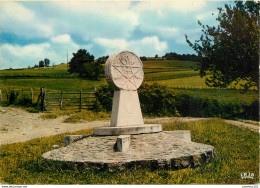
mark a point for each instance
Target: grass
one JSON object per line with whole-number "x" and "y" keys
{"x": 75, "y": 117}
{"x": 52, "y": 84}
{"x": 59, "y": 71}
{"x": 173, "y": 64}
{"x": 165, "y": 75}
{"x": 224, "y": 95}
{"x": 236, "y": 149}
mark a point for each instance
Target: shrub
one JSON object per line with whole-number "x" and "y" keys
{"x": 11, "y": 96}
{"x": 19, "y": 99}
{"x": 24, "y": 100}
{"x": 158, "y": 100}
{"x": 155, "y": 99}
{"x": 104, "y": 96}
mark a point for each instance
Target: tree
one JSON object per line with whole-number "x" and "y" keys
{"x": 46, "y": 62}
{"x": 78, "y": 60}
{"x": 143, "y": 58}
{"x": 94, "y": 69}
{"x": 229, "y": 52}
{"x": 41, "y": 63}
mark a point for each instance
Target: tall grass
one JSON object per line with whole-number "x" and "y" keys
{"x": 236, "y": 152}
{"x": 52, "y": 84}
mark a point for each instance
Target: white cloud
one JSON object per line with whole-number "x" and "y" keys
{"x": 207, "y": 15}
{"x": 112, "y": 45}
{"x": 92, "y": 19}
{"x": 62, "y": 39}
{"x": 168, "y": 32}
{"x": 21, "y": 21}
{"x": 176, "y": 5}
{"x": 148, "y": 46}
{"x": 18, "y": 56}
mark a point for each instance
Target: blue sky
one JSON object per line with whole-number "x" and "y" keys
{"x": 32, "y": 31}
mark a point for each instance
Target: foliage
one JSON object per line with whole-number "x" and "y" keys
{"x": 104, "y": 95}
{"x": 189, "y": 105}
{"x": 86, "y": 115}
{"x": 230, "y": 51}
{"x": 183, "y": 57}
{"x": 236, "y": 152}
{"x": 157, "y": 100}
{"x": 93, "y": 69}
{"x": 78, "y": 60}
{"x": 41, "y": 63}
{"x": 143, "y": 58}
{"x": 149, "y": 96}
{"x": 46, "y": 62}
{"x": 57, "y": 113}
{"x": 17, "y": 98}
{"x": 11, "y": 96}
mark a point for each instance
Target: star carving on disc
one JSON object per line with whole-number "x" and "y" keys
{"x": 128, "y": 72}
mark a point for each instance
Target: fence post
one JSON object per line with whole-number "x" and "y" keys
{"x": 61, "y": 98}
{"x": 22, "y": 95}
{"x": 42, "y": 99}
{"x": 1, "y": 98}
{"x": 80, "y": 100}
{"x": 32, "y": 95}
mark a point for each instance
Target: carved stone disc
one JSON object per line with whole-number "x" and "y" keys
{"x": 124, "y": 70}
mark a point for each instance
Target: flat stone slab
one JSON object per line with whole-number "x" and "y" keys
{"x": 157, "y": 150}
{"x": 138, "y": 129}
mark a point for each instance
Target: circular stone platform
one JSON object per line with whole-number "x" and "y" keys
{"x": 137, "y": 129}
{"x": 156, "y": 150}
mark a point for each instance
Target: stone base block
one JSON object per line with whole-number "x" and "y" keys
{"x": 184, "y": 134}
{"x": 73, "y": 138}
{"x": 138, "y": 129}
{"x": 123, "y": 143}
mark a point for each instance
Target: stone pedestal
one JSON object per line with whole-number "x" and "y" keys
{"x": 126, "y": 110}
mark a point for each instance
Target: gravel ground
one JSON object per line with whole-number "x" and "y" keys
{"x": 18, "y": 125}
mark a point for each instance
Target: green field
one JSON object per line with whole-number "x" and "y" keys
{"x": 236, "y": 152}
{"x": 178, "y": 75}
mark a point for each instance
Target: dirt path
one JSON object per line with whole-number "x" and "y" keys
{"x": 17, "y": 125}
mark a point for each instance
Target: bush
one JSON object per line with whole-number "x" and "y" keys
{"x": 143, "y": 58}
{"x": 24, "y": 100}
{"x": 15, "y": 98}
{"x": 104, "y": 95}
{"x": 188, "y": 105}
{"x": 92, "y": 70}
{"x": 11, "y": 96}
{"x": 156, "y": 100}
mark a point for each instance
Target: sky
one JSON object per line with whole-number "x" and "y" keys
{"x": 33, "y": 30}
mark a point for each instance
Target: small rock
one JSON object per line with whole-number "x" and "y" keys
{"x": 2, "y": 111}
{"x": 55, "y": 146}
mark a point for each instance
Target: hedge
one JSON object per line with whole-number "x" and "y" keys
{"x": 158, "y": 100}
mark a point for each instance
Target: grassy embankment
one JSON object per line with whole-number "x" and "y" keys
{"x": 236, "y": 149}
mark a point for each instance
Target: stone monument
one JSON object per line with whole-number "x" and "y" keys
{"x": 124, "y": 73}
{"x": 128, "y": 142}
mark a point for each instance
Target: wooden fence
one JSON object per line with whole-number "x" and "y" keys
{"x": 66, "y": 100}
{"x": 180, "y": 86}
{"x": 23, "y": 93}
{"x": 49, "y": 101}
